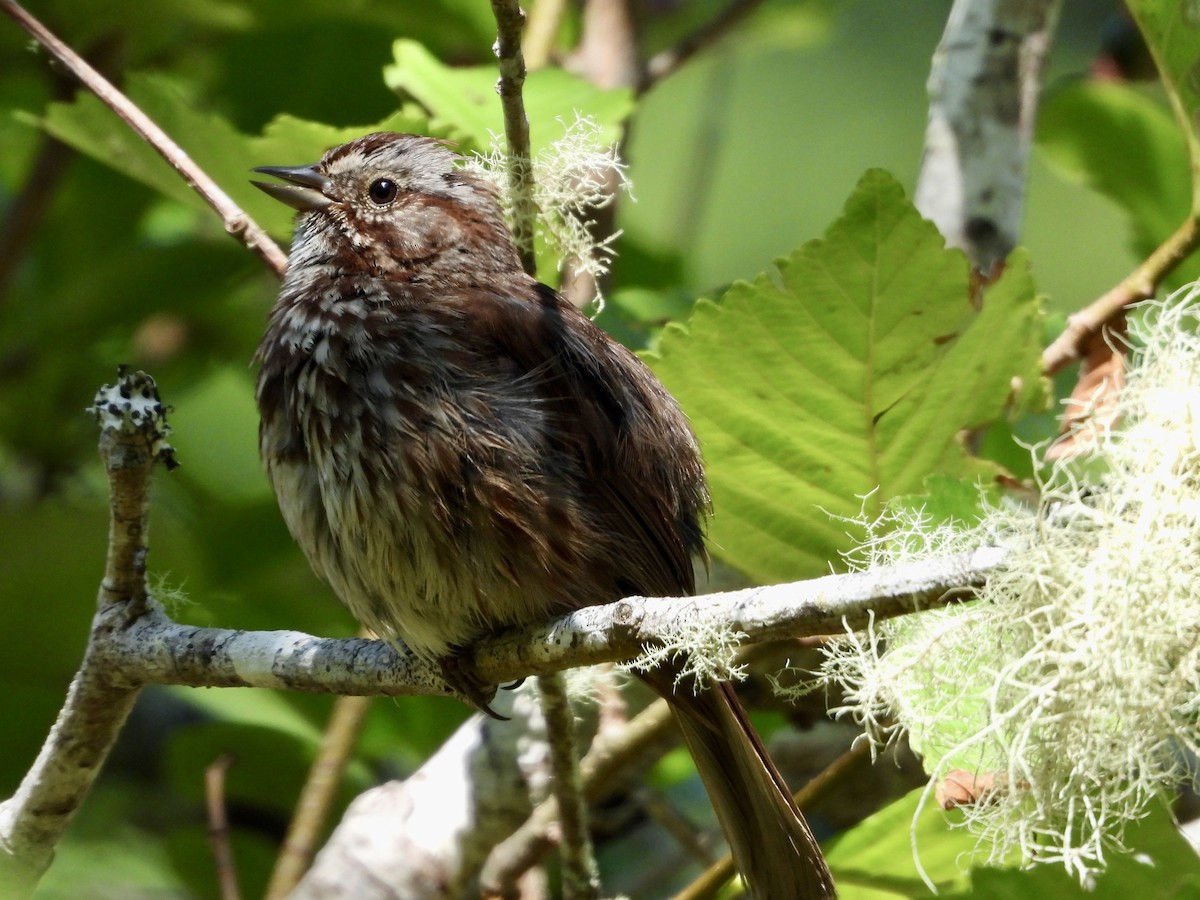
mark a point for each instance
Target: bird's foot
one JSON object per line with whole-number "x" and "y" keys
{"x": 459, "y": 671}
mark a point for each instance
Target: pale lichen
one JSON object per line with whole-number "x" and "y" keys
{"x": 573, "y": 177}
{"x": 1072, "y": 680}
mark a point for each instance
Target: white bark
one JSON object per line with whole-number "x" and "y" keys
{"x": 983, "y": 88}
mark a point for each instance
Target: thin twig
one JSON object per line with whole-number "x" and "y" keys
{"x": 218, "y": 826}
{"x": 669, "y": 61}
{"x": 236, "y": 221}
{"x": 720, "y": 873}
{"x": 580, "y": 875}
{"x": 647, "y": 736}
{"x": 317, "y": 797}
{"x": 509, "y": 22}
{"x": 1140, "y": 284}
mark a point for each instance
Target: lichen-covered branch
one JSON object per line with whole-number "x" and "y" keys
{"x": 156, "y": 649}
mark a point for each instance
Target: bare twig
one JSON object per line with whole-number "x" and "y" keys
{"x": 580, "y": 876}
{"x": 218, "y": 826}
{"x": 236, "y": 221}
{"x": 509, "y": 22}
{"x": 1140, "y": 284}
{"x": 316, "y": 799}
{"x": 667, "y": 62}
{"x": 983, "y": 90}
{"x": 709, "y": 885}
{"x": 647, "y": 736}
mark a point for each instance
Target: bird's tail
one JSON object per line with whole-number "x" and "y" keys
{"x": 771, "y": 843}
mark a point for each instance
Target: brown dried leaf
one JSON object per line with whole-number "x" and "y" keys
{"x": 1092, "y": 407}
{"x": 963, "y": 788}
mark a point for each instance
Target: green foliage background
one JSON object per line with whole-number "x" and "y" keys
{"x": 846, "y": 356}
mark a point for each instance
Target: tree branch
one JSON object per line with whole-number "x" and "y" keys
{"x": 236, "y": 221}
{"x": 155, "y": 649}
{"x": 509, "y": 22}
{"x": 133, "y": 642}
{"x": 983, "y": 89}
{"x": 1140, "y": 284}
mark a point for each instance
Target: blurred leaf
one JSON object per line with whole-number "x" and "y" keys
{"x": 1172, "y": 32}
{"x": 220, "y": 420}
{"x": 464, "y": 101}
{"x": 874, "y": 860}
{"x": 1126, "y": 146}
{"x": 208, "y": 138}
{"x": 849, "y": 371}
{"x": 257, "y": 707}
{"x": 1160, "y": 864}
{"x": 90, "y": 127}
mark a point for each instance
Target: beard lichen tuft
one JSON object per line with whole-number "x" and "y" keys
{"x": 573, "y": 177}
{"x": 1072, "y": 681}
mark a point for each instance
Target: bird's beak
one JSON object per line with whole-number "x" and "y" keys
{"x": 306, "y": 188}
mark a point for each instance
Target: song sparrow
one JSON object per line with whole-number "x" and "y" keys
{"x": 457, "y": 449}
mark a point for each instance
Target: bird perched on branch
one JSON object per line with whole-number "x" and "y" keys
{"x": 457, "y": 450}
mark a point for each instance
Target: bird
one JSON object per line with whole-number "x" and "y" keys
{"x": 459, "y": 450}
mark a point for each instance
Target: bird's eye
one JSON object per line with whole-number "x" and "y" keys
{"x": 382, "y": 191}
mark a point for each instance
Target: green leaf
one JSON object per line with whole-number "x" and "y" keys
{"x": 1124, "y": 145}
{"x": 946, "y": 500}
{"x": 874, "y": 859}
{"x": 219, "y": 422}
{"x": 1160, "y": 864}
{"x": 849, "y": 371}
{"x": 1172, "y": 32}
{"x": 215, "y": 145}
{"x": 464, "y": 100}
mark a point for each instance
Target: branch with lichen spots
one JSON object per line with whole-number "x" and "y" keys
{"x": 154, "y": 649}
